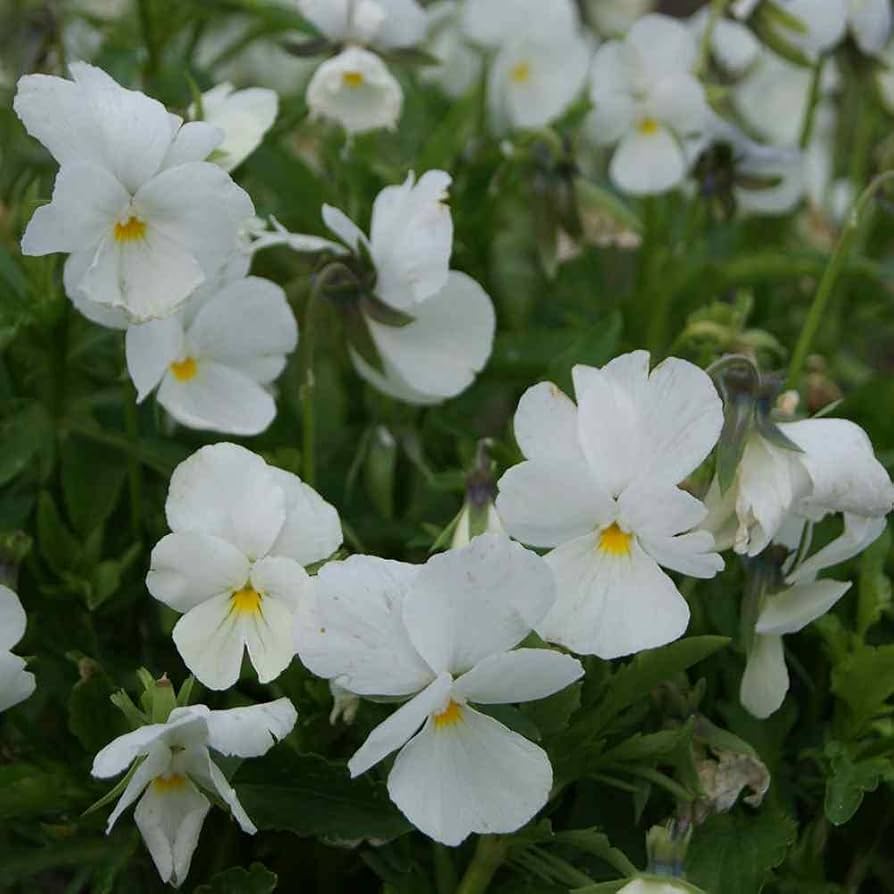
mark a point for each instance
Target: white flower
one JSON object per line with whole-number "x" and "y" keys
{"x": 599, "y": 484}
{"x": 174, "y": 766}
{"x": 835, "y": 472}
{"x": 16, "y": 684}
{"x": 244, "y": 116}
{"x": 646, "y": 100}
{"x": 657, "y": 885}
{"x": 384, "y": 24}
{"x": 492, "y": 23}
{"x": 242, "y": 532}
{"x": 444, "y": 634}
{"x": 144, "y": 218}
{"x": 733, "y": 46}
{"x": 213, "y": 360}
{"x": 765, "y": 681}
{"x": 614, "y": 18}
{"x": 356, "y": 90}
{"x": 459, "y": 65}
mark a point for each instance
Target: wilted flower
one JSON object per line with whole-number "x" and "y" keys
{"x": 599, "y": 484}
{"x": 244, "y": 116}
{"x": 445, "y": 634}
{"x": 647, "y": 101}
{"x": 143, "y": 216}
{"x": 171, "y": 767}
{"x": 214, "y": 360}
{"x": 234, "y": 565}
{"x": 16, "y": 684}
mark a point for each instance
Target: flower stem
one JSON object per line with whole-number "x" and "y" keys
{"x": 812, "y": 103}
{"x": 830, "y": 278}
{"x": 308, "y": 384}
{"x": 717, "y": 9}
{"x": 445, "y": 872}
{"x": 134, "y": 474}
{"x": 490, "y": 853}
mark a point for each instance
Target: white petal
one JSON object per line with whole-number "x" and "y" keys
{"x": 473, "y": 776}
{"x": 170, "y": 821}
{"x": 680, "y": 103}
{"x": 331, "y": 17}
{"x": 16, "y": 684}
{"x": 411, "y": 238}
{"x": 394, "y": 732}
{"x": 447, "y": 344}
{"x": 522, "y": 675}
{"x": 229, "y": 796}
{"x": 647, "y": 163}
{"x": 545, "y": 425}
{"x": 195, "y": 141}
{"x": 351, "y": 629}
{"x": 188, "y": 567}
{"x": 268, "y": 633}
{"x": 765, "y": 681}
{"x": 250, "y": 731}
{"x": 734, "y": 46}
{"x": 476, "y": 601}
{"x": 825, "y": 21}
{"x": 492, "y": 22}
{"x": 858, "y": 533}
{"x": 244, "y": 116}
{"x": 547, "y": 503}
{"x": 611, "y": 605}
{"x": 870, "y": 22}
{"x": 611, "y": 86}
{"x": 664, "y": 45}
{"x": 375, "y": 102}
{"x": 157, "y": 762}
{"x": 228, "y": 492}
{"x": 846, "y": 475}
{"x": 76, "y": 265}
{"x": 211, "y": 641}
{"x": 312, "y": 529}
{"x": 150, "y": 348}
{"x": 795, "y": 608}
{"x": 343, "y": 227}
{"x": 12, "y": 618}
{"x": 404, "y": 24}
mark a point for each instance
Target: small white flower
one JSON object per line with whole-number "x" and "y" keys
{"x": 459, "y": 65}
{"x": 599, "y": 485}
{"x": 174, "y": 767}
{"x": 234, "y": 565}
{"x": 765, "y": 681}
{"x": 383, "y": 24}
{"x": 214, "y": 360}
{"x": 356, "y": 90}
{"x": 444, "y": 634}
{"x": 646, "y": 99}
{"x": 16, "y": 684}
{"x": 614, "y": 18}
{"x": 144, "y": 218}
{"x": 835, "y": 472}
{"x": 244, "y": 116}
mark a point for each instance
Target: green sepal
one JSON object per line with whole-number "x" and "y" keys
{"x": 767, "y": 23}
{"x": 116, "y": 792}
{"x": 410, "y": 56}
{"x": 383, "y": 313}
{"x": 185, "y": 692}
{"x": 314, "y": 46}
{"x": 135, "y": 717}
{"x": 359, "y": 337}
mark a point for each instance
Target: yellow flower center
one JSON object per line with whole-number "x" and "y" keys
{"x": 171, "y": 783}
{"x": 246, "y": 601}
{"x": 131, "y": 230}
{"x": 183, "y": 370}
{"x": 450, "y": 716}
{"x": 614, "y": 541}
{"x": 520, "y": 73}
{"x": 648, "y": 127}
{"x": 352, "y": 79}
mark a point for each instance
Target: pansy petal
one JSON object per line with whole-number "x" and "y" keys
{"x": 474, "y": 775}
{"x": 545, "y": 425}
{"x": 250, "y": 731}
{"x": 648, "y": 162}
{"x": 859, "y": 532}
{"x": 793, "y": 609}
{"x": 12, "y": 618}
{"x": 870, "y": 23}
{"x": 210, "y": 640}
{"x": 150, "y": 348}
{"x": 521, "y": 675}
{"x": 268, "y": 632}
{"x": 664, "y": 45}
{"x": 765, "y": 681}
{"x": 16, "y": 684}
{"x": 343, "y": 227}
{"x": 476, "y": 601}
{"x": 194, "y": 141}
{"x": 156, "y": 762}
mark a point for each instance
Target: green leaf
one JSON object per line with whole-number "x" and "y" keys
{"x": 874, "y": 589}
{"x": 57, "y": 544}
{"x": 257, "y": 879}
{"x": 26, "y": 430}
{"x": 309, "y": 795}
{"x": 92, "y": 476}
{"x": 91, "y": 716}
{"x": 864, "y": 681}
{"x": 649, "y": 748}
{"x": 551, "y": 715}
{"x": 735, "y": 852}
{"x": 849, "y": 782}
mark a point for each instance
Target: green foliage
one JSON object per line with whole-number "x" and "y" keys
{"x": 254, "y": 880}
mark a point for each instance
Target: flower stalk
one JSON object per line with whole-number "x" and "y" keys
{"x": 490, "y": 852}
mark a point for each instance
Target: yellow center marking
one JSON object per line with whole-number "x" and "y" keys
{"x": 648, "y": 127}
{"x": 183, "y": 370}
{"x": 131, "y": 230}
{"x": 246, "y": 601}
{"x": 450, "y": 716}
{"x": 352, "y": 79}
{"x": 171, "y": 783}
{"x": 520, "y": 73}
{"x": 614, "y": 541}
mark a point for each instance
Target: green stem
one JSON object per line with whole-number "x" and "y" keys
{"x": 490, "y": 853}
{"x": 717, "y": 9}
{"x": 812, "y": 103}
{"x": 134, "y": 476}
{"x": 830, "y": 278}
{"x": 445, "y": 871}
{"x": 148, "y": 28}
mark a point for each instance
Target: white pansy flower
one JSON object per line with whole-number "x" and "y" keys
{"x": 459, "y": 65}
{"x": 804, "y": 599}
{"x": 172, "y": 768}
{"x": 234, "y": 565}
{"x": 647, "y": 101}
{"x": 16, "y": 684}
{"x": 836, "y": 471}
{"x": 356, "y": 90}
{"x": 144, "y": 218}
{"x": 444, "y": 635}
{"x": 599, "y": 484}
{"x": 213, "y": 361}
{"x": 384, "y": 24}
{"x": 244, "y": 116}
